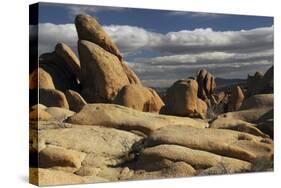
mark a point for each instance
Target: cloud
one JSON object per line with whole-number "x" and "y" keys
{"x": 78, "y": 9}
{"x": 178, "y": 54}
{"x": 196, "y": 14}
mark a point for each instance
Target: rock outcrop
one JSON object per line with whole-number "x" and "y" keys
{"x": 102, "y": 75}
{"x": 52, "y": 97}
{"x": 236, "y": 98}
{"x": 139, "y": 98}
{"x": 75, "y": 100}
{"x": 206, "y": 84}
{"x": 89, "y": 29}
{"x": 182, "y": 100}
{"x": 260, "y": 84}
{"x": 124, "y": 118}
{"x": 39, "y": 78}
{"x": 69, "y": 58}
{"x": 223, "y": 142}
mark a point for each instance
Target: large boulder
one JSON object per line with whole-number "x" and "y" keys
{"x": 132, "y": 77}
{"x": 237, "y": 125}
{"x": 206, "y": 84}
{"x": 103, "y": 146}
{"x": 72, "y": 61}
{"x": 45, "y": 177}
{"x": 53, "y": 156}
{"x": 236, "y": 98}
{"x": 102, "y": 75}
{"x": 199, "y": 160}
{"x": 258, "y": 101}
{"x": 39, "y": 78}
{"x": 75, "y": 100}
{"x": 228, "y": 143}
{"x": 181, "y": 99}
{"x": 52, "y": 98}
{"x": 89, "y": 29}
{"x": 139, "y": 98}
{"x": 259, "y": 83}
{"x": 62, "y": 75}
{"x": 120, "y": 117}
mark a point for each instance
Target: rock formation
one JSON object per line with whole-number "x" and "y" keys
{"x": 140, "y": 98}
{"x": 118, "y": 137}
{"x": 102, "y": 75}
{"x": 236, "y": 98}
{"x": 90, "y": 30}
{"x": 182, "y": 100}
{"x": 206, "y": 84}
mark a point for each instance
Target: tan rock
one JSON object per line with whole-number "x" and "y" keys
{"x": 228, "y": 143}
{"x": 258, "y": 101}
{"x": 39, "y": 114}
{"x": 254, "y": 115}
{"x": 62, "y": 75}
{"x": 102, "y": 75}
{"x": 236, "y": 98}
{"x": 75, "y": 100}
{"x": 45, "y": 177}
{"x": 206, "y": 84}
{"x": 106, "y": 146}
{"x": 53, "y": 156}
{"x": 196, "y": 158}
{"x": 181, "y": 98}
{"x": 237, "y": 125}
{"x": 65, "y": 52}
{"x": 121, "y": 117}
{"x": 52, "y": 98}
{"x": 59, "y": 114}
{"x": 89, "y": 29}
{"x": 202, "y": 107}
{"x": 39, "y": 78}
{"x": 132, "y": 77}
{"x": 139, "y": 98}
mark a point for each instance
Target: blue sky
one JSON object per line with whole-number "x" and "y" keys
{"x": 171, "y": 43}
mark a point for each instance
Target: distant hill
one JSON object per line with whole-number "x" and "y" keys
{"x": 223, "y": 82}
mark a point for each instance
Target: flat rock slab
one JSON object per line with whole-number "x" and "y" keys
{"x": 237, "y": 125}
{"x": 222, "y": 142}
{"x": 199, "y": 160}
{"x": 121, "y": 117}
{"x": 104, "y": 144}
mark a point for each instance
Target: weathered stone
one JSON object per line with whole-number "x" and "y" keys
{"x": 132, "y": 77}
{"x": 236, "y": 98}
{"x": 258, "y": 101}
{"x": 69, "y": 57}
{"x": 45, "y": 177}
{"x": 196, "y": 158}
{"x": 206, "y": 84}
{"x": 237, "y": 125}
{"x": 75, "y": 100}
{"x": 139, "y": 98}
{"x": 52, "y": 98}
{"x": 228, "y": 143}
{"x": 181, "y": 99}
{"x": 62, "y": 75}
{"x": 59, "y": 114}
{"x": 39, "y": 78}
{"x": 89, "y": 29}
{"x": 121, "y": 117}
{"x": 102, "y": 75}
{"x": 51, "y": 157}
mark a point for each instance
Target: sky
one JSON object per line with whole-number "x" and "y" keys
{"x": 163, "y": 46}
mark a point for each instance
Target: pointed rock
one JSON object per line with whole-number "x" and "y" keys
{"x": 102, "y": 75}
{"x": 89, "y": 29}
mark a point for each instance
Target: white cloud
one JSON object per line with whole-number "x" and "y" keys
{"x": 79, "y": 9}
{"x": 178, "y": 54}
